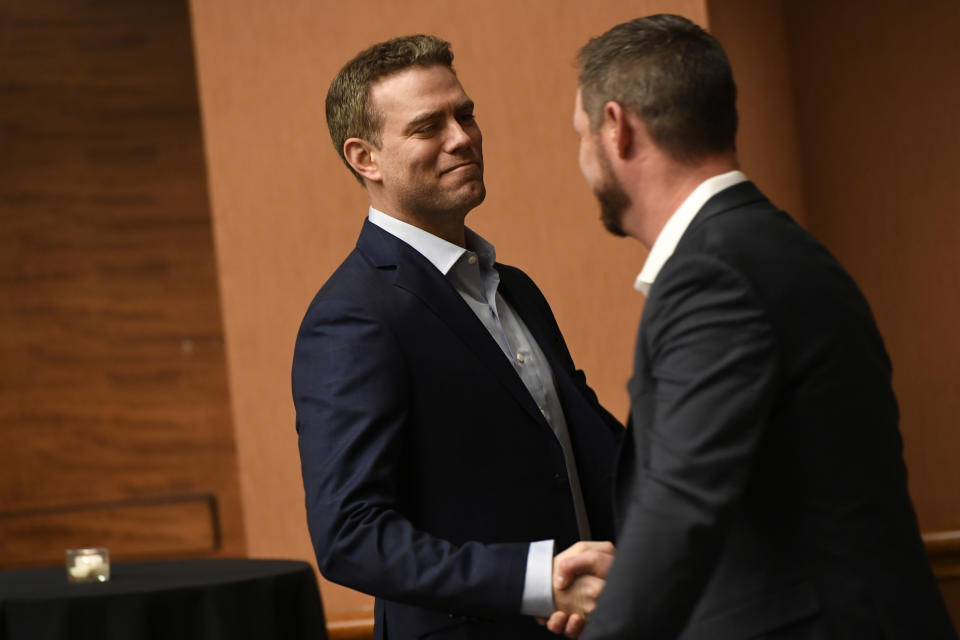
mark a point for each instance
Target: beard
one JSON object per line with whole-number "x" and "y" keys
{"x": 612, "y": 197}
{"x": 440, "y": 196}
{"x": 438, "y": 203}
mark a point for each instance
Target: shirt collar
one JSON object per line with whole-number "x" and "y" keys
{"x": 441, "y": 254}
{"x": 669, "y": 237}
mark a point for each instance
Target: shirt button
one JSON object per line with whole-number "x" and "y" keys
{"x": 472, "y": 259}
{"x": 519, "y": 357}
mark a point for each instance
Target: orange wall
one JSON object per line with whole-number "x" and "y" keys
{"x": 753, "y": 33}
{"x": 878, "y": 106}
{"x": 879, "y": 115}
{"x": 286, "y": 212}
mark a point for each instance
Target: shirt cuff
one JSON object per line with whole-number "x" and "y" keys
{"x": 538, "y": 583}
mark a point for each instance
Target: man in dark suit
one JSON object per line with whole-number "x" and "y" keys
{"x": 448, "y": 444}
{"x": 761, "y": 490}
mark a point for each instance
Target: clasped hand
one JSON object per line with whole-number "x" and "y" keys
{"x": 578, "y": 578}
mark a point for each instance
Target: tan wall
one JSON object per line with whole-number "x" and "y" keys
{"x": 753, "y": 33}
{"x": 286, "y": 212}
{"x": 878, "y": 107}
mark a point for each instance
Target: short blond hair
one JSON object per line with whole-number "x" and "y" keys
{"x": 349, "y": 112}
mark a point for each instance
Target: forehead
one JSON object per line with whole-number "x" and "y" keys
{"x": 413, "y": 91}
{"x": 580, "y": 118}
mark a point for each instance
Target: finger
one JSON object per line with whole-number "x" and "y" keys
{"x": 589, "y": 562}
{"x": 569, "y": 567}
{"x": 591, "y": 589}
{"x": 574, "y": 626}
{"x": 557, "y": 622}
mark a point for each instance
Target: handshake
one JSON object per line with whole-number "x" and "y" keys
{"x": 579, "y": 574}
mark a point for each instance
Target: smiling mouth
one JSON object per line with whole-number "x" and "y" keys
{"x": 462, "y": 165}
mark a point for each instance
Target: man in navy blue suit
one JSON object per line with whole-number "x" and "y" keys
{"x": 448, "y": 444}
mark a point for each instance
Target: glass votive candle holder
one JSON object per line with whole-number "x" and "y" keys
{"x": 88, "y": 565}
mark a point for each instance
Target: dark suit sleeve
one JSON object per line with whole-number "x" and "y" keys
{"x": 704, "y": 376}
{"x": 350, "y": 386}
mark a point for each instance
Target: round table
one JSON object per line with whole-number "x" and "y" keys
{"x": 206, "y": 599}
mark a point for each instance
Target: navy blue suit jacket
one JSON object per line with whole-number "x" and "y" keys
{"x": 761, "y": 488}
{"x": 427, "y": 466}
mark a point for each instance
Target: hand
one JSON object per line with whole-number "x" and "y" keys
{"x": 578, "y": 579}
{"x": 584, "y": 557}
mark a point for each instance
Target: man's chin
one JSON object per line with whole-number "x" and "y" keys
{"x": 613, "y": 203}
{"x": 462, "y": 201}
{"x": 476, "y": 197}
{"x": 474, "y": 193}
{"x": 612, "y": 224}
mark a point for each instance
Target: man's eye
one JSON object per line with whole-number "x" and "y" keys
{"x": 466, "y": 117}
{"x": 426, "y": 130}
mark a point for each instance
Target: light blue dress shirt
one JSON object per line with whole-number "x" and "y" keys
{"x": 472, "y": 273}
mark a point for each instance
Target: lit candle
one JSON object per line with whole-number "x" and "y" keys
{"x": 88, "y": 565}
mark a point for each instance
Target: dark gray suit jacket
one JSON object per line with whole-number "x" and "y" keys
{"x": 761, "y": 490}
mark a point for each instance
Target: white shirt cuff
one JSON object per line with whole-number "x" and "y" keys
{"x": 538, "y": 584}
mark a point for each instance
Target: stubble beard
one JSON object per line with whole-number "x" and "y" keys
{"x": 612, "y": 197}
{"x": 444, "y": 203}
{"x": 452, "y": 202}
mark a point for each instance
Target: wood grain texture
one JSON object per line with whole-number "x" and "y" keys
{"x": 181, "y": 526}
{"x": 112, "y": 370}
{"x": 943, "y": 549}
{"x": 357, "y": 627}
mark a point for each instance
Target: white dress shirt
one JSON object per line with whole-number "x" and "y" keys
{"x": 671, "y": 233}
{"x": 472, "y": 273}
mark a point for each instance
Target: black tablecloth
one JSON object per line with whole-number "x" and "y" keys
{"x": 210, "y": 599}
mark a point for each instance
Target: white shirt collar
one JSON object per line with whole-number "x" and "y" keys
{"x": 669, "y": 237}
{"x": 441, "y": 254}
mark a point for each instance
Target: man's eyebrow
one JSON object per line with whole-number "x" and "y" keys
{"x": 422, "y": 118}
{"x": 466, "y": 105}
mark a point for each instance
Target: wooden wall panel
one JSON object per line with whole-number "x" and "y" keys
{"x": 182, "y": 526}
{"x": 113, "y": 381}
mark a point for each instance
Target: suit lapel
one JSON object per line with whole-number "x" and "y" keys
{"x": 415, "y": 274}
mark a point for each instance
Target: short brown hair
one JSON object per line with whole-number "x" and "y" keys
{"x": 349, "y": 113}
{"x": 672, "y": 74}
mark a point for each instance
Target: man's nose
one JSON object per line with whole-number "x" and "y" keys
{"x": 457, "y": 136}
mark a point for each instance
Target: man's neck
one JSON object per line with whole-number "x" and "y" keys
{"x": 674, "y": 185}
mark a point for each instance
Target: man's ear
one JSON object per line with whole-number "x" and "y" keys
{"x": 363, "y": 157}
{"x": 620, "y": 130}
